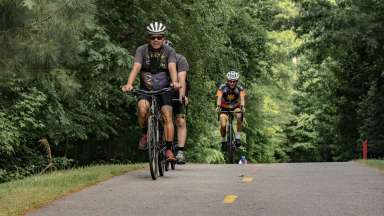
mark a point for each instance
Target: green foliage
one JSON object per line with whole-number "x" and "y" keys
{"x": 347, "y": 33}
{"x": 9, "y": 135}
{"x": 24, "y": 161}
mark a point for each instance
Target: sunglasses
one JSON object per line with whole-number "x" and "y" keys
{"x": 232, "y": 81}
{"x": 157, "y": 37}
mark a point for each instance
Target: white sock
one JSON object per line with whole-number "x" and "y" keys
{"x": 223, "y": 139}
{"x": 237, "y": 135}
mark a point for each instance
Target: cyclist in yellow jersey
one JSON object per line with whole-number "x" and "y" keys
{"x": 230, "y": 97}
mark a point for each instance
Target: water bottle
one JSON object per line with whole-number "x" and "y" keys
{"x": 242, "y": 160}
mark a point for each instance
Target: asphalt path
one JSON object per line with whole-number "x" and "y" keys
{"x": 307, "y": 189}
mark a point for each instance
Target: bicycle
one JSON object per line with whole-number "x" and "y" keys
{"x": 231, "y": 145}
{"x": 155, "y": 142}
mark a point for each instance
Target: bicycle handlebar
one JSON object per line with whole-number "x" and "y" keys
{"x": 150, "y": 93}
{"x": 230, "y": 111}
{"x": 219, "y": 112}
{"x": 178, "y": 100}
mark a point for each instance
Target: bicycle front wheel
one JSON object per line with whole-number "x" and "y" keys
{"x": 230, "y": 144}
{"x": 152, "y": 147}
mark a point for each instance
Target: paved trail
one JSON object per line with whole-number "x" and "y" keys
{"x": 305, "y": 189}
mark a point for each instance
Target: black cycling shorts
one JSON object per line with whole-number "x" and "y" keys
{"x": 179, "y": 109}
{"x": 162, "y": 100}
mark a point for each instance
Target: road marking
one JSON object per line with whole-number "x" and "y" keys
{"x": 247, "y": 179}
{"x": 229, "y": 199}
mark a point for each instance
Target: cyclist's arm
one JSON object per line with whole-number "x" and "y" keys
{"x": 182, "y": 67}
{"x": 219, "y": 95}
{"x": 242, "y": 98}
{"x": 172, "y": 71}
{"x": 172, "y": 66}
{"x": 138, "y": 61}
{"x": 182, "y": 76}
{"x": 132, "y": 75}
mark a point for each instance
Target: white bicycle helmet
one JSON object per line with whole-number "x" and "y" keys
{"x": 232, "y": 75}
{"x": 156, "y": 28}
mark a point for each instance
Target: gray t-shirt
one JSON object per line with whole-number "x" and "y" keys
{"x": 181, "y": 63}
{"x": 141, "y": 55}
{"x": 154, "y": 72}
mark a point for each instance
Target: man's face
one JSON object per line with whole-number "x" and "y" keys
{"x": 232, "y": 83}
{"x": 156, "y": 41}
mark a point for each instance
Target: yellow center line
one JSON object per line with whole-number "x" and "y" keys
{"x": 228, "y": 199}
{"x": 247, "y": 179}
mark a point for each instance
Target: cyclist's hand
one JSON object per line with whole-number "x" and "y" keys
{"x": 186, "y": 100}
{"x": 127, "y": 88}
{"x": 183, "y": 99}
{"x": 218, "y": 109}
{"x": 242, "y": 108}
{"x": 175, "y": 85}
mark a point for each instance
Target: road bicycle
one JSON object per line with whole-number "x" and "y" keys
{"x": 231, "y": 143}
{"x": 155, "y": 138}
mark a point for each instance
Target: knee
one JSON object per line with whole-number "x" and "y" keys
{"x": 223, "y": 124}
{"x": 143, "y": 107}
{"x": 180, "y": 122}
{"x": 167, "y": 115}
{"x": 142, "y": 111}
{"x": 239, "y": 118}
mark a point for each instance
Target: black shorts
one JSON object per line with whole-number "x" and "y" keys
{"x": 237, "y": 108}
{"x": 179, "y": 109}
{"x": 162, "y": 100}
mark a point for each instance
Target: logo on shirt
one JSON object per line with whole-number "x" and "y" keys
{"x": 231, "y": 97}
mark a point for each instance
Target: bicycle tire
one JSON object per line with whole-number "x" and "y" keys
{"x": 230, "y": 140}
{"x": 166, "y": 165}
{"x": 161, "y": 163}
{"x": 173, "y": 163}
{"x": 152, "y": 150}
{"x": 162, "y": 158}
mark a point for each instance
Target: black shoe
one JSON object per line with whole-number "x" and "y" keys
{"x": 238, "y": 143}
{"x": 223, "y": 146}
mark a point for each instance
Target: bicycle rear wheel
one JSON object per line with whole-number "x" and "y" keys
{"x": 152, "y": 147}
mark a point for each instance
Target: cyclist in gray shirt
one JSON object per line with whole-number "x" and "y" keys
{"x": 157, "y": 67}
{"x": 179, "y": 107}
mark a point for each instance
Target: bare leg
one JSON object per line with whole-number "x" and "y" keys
{"x": 181, "y": 131}
{"x": 168, "y": 123}
{"x": 143, "y": 112}
{"x": 239, "y": 121}
{"x": 223, "y": 124}
{"x": 239, "y": 127}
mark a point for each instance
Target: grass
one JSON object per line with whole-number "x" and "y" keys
{"x": 379, "y": 164}
{"x": 18, "y": 197}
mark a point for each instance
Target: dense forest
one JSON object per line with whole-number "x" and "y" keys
{"x": 313, "y": 71}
